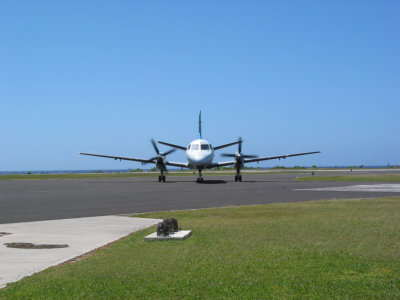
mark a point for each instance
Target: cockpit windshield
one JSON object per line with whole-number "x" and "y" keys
{"x": 205, "y": 147}
{"x": 195, "y": 147}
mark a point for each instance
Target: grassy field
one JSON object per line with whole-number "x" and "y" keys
{"x": 339, "y": 249}
{"x": 75, "y": 176}
{"x": 127, "y": 174}
{"x": 222, "y": 171}
{"x": 356, "y": 177}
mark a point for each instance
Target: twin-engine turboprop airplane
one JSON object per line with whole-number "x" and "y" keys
{"x": 200, "y": 155}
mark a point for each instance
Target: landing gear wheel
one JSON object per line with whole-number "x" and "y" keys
{"x": 240, "y": 178}
{"x": 163, "y": 178}
{"x": 200, "y": 180}
{"x": 236, "y": 178}
{"x": 159, "y": 178}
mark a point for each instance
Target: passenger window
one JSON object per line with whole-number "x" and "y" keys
{"x": 205, "y": 147}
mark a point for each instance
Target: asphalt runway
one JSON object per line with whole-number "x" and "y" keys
{"x": 37, "y": 200}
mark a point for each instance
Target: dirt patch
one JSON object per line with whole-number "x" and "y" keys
{"x": 4, "y": 233}
{"x": 35, "y": 246}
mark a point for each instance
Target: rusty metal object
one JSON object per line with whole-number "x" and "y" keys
{"x": 167, "y": 226}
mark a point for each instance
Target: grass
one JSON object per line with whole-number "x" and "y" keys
{"x": 123, "y": 175}
{"x": 340, "y": 249}
{"x": 74, "y": 176}
{"x": 367, "y": 178}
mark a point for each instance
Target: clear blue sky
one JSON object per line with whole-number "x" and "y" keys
{"x": 287, "y": 76}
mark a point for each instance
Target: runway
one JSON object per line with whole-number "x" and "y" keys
{"x": 36, "y": 200}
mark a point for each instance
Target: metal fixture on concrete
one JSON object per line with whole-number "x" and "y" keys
{"x": 167, "y": 226}
{"x": 168, "y": 230}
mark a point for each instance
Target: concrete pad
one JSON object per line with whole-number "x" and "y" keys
{"x": 178, "y": 235}
{"x": 388, "y": 188}
{"x": 82, "y": 235}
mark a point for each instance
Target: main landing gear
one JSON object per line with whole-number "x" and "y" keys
{"x": 161, "y": 177}
{"x": 200, "y": 178}
{"x": 238, "y": 177}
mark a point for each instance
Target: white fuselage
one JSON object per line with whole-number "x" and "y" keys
{"x": 200, "y": 154}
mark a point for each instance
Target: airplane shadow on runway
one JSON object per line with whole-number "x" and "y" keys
{"x": 213, "y": 181}
{"x": 204, "y": 182}
{"x": 210, "y": 181}
{"x": 256, "y": 181}
{"x": 171, "y": 181}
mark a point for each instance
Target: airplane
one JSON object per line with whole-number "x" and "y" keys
{"x": 200, "y": 155}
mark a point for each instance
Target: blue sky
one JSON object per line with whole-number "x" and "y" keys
{"x": 287, "y": 76}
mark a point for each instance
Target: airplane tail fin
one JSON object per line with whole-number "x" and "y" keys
{"x": 200, "y": 125}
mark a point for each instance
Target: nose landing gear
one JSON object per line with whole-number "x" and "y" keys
{"x": 200, "y": 178}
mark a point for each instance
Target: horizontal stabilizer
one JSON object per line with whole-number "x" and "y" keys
{"x": 172, "y": 145}
{"x": 227, "y": 145}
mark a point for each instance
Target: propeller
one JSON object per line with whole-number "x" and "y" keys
{"x": 239, "y": 156}
{"x": 160, "y": 158}
{"x": 158, "y": 151}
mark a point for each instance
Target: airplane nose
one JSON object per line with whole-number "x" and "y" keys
{"x": 203, "y": 158}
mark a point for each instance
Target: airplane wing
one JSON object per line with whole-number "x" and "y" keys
{"x": 227, "y": 145}
{"x": 278, "y": 157}
{"x": 120, "y": 158}
{"x": 172, "y": 145}
{"x": 177, "y": 164}
{"x": 231, "y": 163}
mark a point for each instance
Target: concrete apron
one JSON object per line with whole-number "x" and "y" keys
{"x": 82, "y": 235}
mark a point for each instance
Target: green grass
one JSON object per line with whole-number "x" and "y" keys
{"x": 341, "y": 249}
{"x": 368, "y": 178}
{"x": 74, "y": 176}
{"x": 96, "y": 175}
{"x": 122, "y": 175}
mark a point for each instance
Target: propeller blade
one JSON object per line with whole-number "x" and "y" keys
{"x": 168, "y": 152}
{"x": 150, "y": 160}
{"x": 228, "y": 155}
{"x": 240, "y": 145}
{"x": 155, "y": 147}
{"x": 249, "y": 156}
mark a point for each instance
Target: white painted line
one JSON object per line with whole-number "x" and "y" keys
{"x": 82, "y": 235}
{"x": 389, "y": 188}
